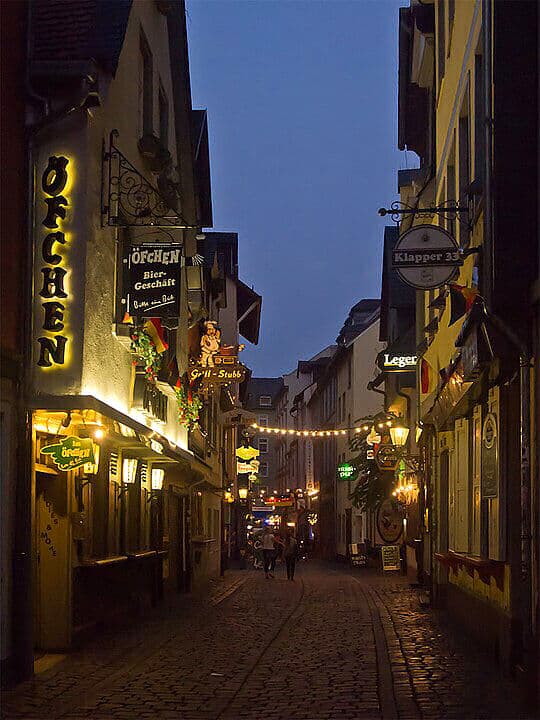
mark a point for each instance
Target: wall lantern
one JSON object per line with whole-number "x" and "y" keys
{"x": 157, "y": 478}
{"x": 243, "y": 493}
{"x": 228, "y": 496}
{"x": 399, "y": 434}
{"x": 129, "y": 470}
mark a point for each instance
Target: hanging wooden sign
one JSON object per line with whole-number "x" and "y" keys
{"x": 217, "y": 364}
{"x": 152, "y": 280}
{"x": 426, "y": 257}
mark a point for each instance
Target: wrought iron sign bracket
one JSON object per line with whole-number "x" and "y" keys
{"x": 398, "y": 210}
{"x": 130, "y": 200}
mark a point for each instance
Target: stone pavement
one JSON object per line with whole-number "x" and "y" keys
{"x": 333, "y": 644}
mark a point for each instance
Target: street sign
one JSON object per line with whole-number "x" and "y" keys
{"x": 426, "y": 257}
{"x": 387, "y": 457}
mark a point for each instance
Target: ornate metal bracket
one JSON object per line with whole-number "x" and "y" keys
{"x": 399, "y": 209}
{"x": 131, "y": 200}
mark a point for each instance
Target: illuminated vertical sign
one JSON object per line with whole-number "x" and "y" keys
{"x": 308, "y": 459}
{"x": 52, "y": 347}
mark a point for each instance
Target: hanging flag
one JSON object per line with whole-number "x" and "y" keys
{"x": 427, "y": 377}
{"x": 461, "y": 301}
{"x": 174, "y": 372}
{"x": 154, "y": 329}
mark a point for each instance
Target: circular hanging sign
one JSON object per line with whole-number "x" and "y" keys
{"x": 426, "y": 257}
{"x": 389, "y": 521}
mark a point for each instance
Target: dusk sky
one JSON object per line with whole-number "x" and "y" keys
{"x": 302, "y": 105}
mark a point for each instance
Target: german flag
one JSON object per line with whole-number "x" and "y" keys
{"x": 153, "y": 328}
{"x": 461, "y": 301}
{"x": 174, "y": 373}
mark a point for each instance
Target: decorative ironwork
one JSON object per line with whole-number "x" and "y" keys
{"x": 132, "y": 200}
{"x": 398, "y": 210}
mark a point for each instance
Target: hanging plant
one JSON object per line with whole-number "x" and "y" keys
{"x": 189, "y": 406}
{"x": 144, "y": 348}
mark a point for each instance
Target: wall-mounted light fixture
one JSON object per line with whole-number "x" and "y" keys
{"x": 243, "y": 493}
{"x": 129, "y": 470}
{"x": 399, "y": 434}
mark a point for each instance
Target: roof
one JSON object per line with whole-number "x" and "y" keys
{"x": 65, "y": 31}
{"x": 201, "y": 152}
{"x": 360, "y": 317}
{"x": 248, "y": 304}
{"x": 225, "y": 244}
{"x": 263, "y": 386}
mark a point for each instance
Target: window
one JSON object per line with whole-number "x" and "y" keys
{"x": 451, "y": 189}
{"x": 163, "y": 118}
{"x": 263, "y": 445}
{"x": 349, "y": 373}
{"x": 451, "y": 14}
{"x": 441, "y": 53}
{"x": 263, "y": 420}
{"x": 263, "y": 469}
{"x": 146, "y": 88}
{"x": 479, "y": 118}
{"x": 464, "y": 165}
{"x": 265, "y": 400}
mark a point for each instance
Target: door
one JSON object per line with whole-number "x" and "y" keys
{"x": 53, "y": 561}
{"x": 443, "y": 500}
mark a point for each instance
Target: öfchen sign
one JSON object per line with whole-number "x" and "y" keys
{"x": 152, "y": 285}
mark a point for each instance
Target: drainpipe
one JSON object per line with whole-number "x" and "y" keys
{"x": 372, "y": 385}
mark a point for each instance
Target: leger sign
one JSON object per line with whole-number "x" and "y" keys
{"x": 392, "y": 362}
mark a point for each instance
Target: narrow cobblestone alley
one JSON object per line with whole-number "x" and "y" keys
{"x": 333, "y": 644}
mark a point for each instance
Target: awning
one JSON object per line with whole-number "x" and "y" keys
{"x": 249, "y": 312}
{"x": 140, "y": 439}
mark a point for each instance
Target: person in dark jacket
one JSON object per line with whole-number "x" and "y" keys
{"x": 290, "y": 552}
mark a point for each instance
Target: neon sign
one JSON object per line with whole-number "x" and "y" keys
{"x": 53, "y": 182}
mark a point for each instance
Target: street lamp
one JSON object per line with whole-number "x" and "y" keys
{"x": 242, "y": 493}
{"x": 399, "y": 434}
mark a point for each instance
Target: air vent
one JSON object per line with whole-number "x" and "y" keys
{"x": 113, "y": 467}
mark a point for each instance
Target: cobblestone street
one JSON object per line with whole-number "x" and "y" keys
{"x": 333, "y": 644}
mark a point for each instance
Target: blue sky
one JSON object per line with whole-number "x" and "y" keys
{"x": 302, "y": 105}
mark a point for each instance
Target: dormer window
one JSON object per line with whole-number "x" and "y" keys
{"x": 265, "y": 400}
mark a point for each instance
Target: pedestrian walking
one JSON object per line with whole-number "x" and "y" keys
{"x": 269, "y": 553}
{"x": 290, "y": 552}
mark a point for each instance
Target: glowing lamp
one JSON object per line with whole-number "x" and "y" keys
{"x": 399, "y": 435}
{"x": 242, "y": 493}
{"x": 129, "y": 470}
{"x": 157, "y": 478}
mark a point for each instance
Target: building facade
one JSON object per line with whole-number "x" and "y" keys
{"x": 126, "y": 452}
{"x": 465, "y": 107}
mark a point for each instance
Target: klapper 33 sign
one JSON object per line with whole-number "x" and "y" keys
{"x": 426, "y": 257}
{"x": 217, "y": 364}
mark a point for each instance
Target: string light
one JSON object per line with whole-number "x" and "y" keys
{"x": 357, "y": 429}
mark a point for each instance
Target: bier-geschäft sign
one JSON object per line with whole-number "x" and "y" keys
{"x": 152, "y": 284}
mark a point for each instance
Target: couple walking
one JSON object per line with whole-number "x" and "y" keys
{"x": 290, "y": 546}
